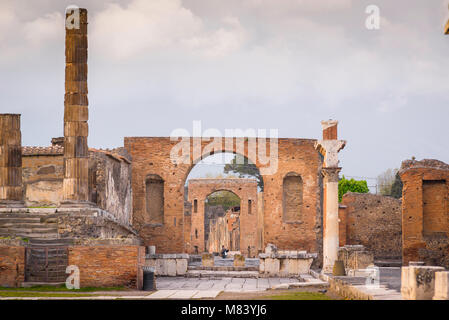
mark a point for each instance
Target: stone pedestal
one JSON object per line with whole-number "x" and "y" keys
{"x": 441, "y": 285}
{"x": 10, "y": 161}
{"x": 418, "y": 282}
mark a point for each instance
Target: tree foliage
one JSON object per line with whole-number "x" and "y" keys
{"x": 390, "y": 184}
{"x": 223, "y": 198}
{"x": 345, "y": 185}
{"x": 241, "y": 166}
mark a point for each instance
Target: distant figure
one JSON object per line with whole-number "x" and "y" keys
{"x": 224, "y": 252}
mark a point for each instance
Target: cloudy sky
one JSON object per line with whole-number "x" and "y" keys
{"x": 157, "y": 65}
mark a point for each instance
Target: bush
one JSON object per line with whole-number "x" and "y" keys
{"x": 345, "y": 185}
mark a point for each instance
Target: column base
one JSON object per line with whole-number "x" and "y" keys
{"x": 12, "y": 204}
{"x": 77, "y": 204}
{"x": 327, "y": 269}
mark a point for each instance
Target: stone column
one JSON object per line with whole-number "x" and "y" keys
{"x": 10, "y": 161}
{"x": 329, "y": 148}
{"x": 76, "y": 153}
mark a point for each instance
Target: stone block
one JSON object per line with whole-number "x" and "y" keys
{"x": 239, "y": 260}
{"x": 418, "y": 282}
{"x": 207, "y": 260}
{"x": 271, "y": 249}
{"x": 272, "y": 266}
{"x": 181, "y": 267}
{"x": 441, "y": 285}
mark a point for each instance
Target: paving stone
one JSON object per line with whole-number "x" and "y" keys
{"x": 184, "y": 294}
{"x": 162, "y": 294}
{"x": 208, "y": 294}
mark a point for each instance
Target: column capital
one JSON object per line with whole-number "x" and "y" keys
{"x": 331, "y": 174}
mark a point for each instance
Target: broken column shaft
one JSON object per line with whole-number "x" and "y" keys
{"x": 10, "y": 161}
{"x": 76, "y": 152}
{"x": 329, "y": 148}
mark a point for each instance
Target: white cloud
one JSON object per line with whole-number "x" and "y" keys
{"x": 44, "y": 29}
{"x": 124, "y": 32}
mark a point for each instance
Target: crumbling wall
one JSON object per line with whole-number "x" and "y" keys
{"x": 12, "y": 263}
{"x": 109, "y": 179}
{"x": 373, "y": 221}
{"x": 425, "y": 212}
{"x": 108, "y": 265}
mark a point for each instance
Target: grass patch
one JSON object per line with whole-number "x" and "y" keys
{"x": 299, "y": 296}
{"x": 61, "y": 288}
{"x": 41, "y": 294}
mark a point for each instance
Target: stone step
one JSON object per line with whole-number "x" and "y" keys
{"x": 4, "y": 221}
{"x": 28, "y": 225}
{"x": 36, "y": 229}
{"x": 30, "y": 235}
{"x": 388, "y": 263}
{"x": 51, "y": 242}
{"x": 223, "y": 268}
{"x": 221, "y": 274}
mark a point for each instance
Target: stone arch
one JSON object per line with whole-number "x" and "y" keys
{"x": 292, "y": 197}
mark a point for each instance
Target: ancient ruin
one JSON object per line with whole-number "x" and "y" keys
{"x": 112, "y": 212}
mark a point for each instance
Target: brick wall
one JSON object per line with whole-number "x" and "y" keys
{"x": 12, "y": 265}
{"x": 373, "y": 221}
{"x": 425, "y": 212}
{"x": 151, "y": 155}
{"x": 108, "y": 265}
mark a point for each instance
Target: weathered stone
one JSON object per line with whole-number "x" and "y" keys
{"x": 441, "y": 285}
{"x": 239, "y": 260}
{"x": 418, "y": 282}
{"x": 207, "y": 260}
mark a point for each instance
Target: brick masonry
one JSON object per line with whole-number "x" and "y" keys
{"x": 108, "y": 266}
{"x": 373, "y": 221}
{"x": 151, "y": 155}
{"x": 12, "y": 265}
{"x": 425, "y": 212}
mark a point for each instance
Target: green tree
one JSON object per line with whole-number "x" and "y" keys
{"x": 224, "y": 198}
{"x": 390, "y": 184}
{"x": 396, "y": 188}
{"x": 345, "y": 185}
{"x": 241, "y": 166}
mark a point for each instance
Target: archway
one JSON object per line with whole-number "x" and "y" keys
{"x": 222, "y": 221}
{"x": 221, "y": 174}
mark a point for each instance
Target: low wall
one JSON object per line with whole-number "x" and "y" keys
{"x": 355, "y": 257}
{"x": 12, "y": 263}
{"x": 286, "y": 264}
{"x": 108, "y": 265}
{"x": 168, "y": 264}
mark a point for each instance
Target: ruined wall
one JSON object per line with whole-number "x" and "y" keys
{"x": 108, "y": 265}
{"x": 425, "y": 212}
{"x": 42, "y": 175}
{"x": 151, "y": 155}
{"x": 12, "y": 263}
{"x": 373, "y": 221}
{"x": 110, "y": 183}
{"x": 109, "y": 179}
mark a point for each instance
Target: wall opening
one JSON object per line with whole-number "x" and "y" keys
{"x": 292, "y": 201}
{"x": 154, "y": 186}
{"x": 435, "y": 213}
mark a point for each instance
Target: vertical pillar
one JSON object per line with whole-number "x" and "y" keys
{"x": 10, "y": 161}
{"x": 76, "y": 153}
{"x": 329, "y": 148}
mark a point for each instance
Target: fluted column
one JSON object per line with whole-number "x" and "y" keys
{"x": 76, "y": 152}
{"x": 329, "y": 148}
{"x": 10, "y": 161}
